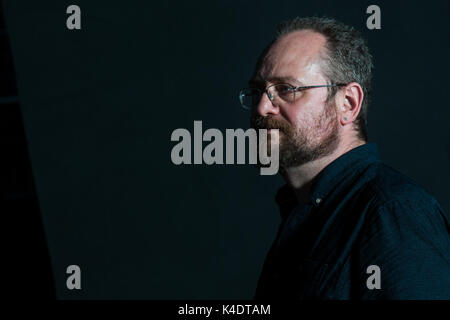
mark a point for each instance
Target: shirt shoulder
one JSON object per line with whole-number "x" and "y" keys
{"x": 389, "y": 184}
{"x": 406, "y": 234}
{"x": 398, "y": 200}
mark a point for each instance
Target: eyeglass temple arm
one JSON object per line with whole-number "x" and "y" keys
{"x": 319, "y": 86}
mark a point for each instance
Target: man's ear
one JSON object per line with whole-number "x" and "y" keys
{"x": 351, "y": 106}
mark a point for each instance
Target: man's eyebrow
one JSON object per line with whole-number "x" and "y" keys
{"x": 279, "y": 79}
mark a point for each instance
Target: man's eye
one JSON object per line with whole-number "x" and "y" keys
{"x": 282, "y": 90}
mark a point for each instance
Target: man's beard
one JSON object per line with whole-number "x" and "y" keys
{"x": 300, "y": 145}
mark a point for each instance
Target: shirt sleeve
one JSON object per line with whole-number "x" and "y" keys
{"x": 408, "y": 240}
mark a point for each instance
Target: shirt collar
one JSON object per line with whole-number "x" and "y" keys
{"x": 335, "y": 174}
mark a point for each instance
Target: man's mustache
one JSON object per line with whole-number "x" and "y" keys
{"x": 260, "y": 122}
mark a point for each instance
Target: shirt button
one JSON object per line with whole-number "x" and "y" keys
{"x": 318, "y": 200}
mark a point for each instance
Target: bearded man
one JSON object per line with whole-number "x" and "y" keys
{"x": 352, "y": 227}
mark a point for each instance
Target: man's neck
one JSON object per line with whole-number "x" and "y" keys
{"x": 300, "y": 178}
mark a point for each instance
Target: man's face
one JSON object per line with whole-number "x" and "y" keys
{"x": 308, "y": 127}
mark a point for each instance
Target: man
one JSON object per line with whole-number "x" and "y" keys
{"x": 352, "y": 227}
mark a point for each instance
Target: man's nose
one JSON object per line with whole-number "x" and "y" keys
{"x": 266, "y": 106}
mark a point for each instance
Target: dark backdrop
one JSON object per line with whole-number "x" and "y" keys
{"x": 99, "y": 106}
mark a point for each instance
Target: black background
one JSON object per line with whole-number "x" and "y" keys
{"x": 99, "y": 106}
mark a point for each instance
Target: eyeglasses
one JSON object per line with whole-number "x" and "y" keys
{"x": 250, "y": 97}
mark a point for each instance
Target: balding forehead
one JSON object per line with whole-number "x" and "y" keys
{"x": 306, "y": 42}
{"x": 298, "y": 49}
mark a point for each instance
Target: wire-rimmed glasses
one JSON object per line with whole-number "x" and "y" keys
{"x": 250, "y": 97}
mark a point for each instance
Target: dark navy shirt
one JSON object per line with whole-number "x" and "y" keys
{"x": 362, "y": 214}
